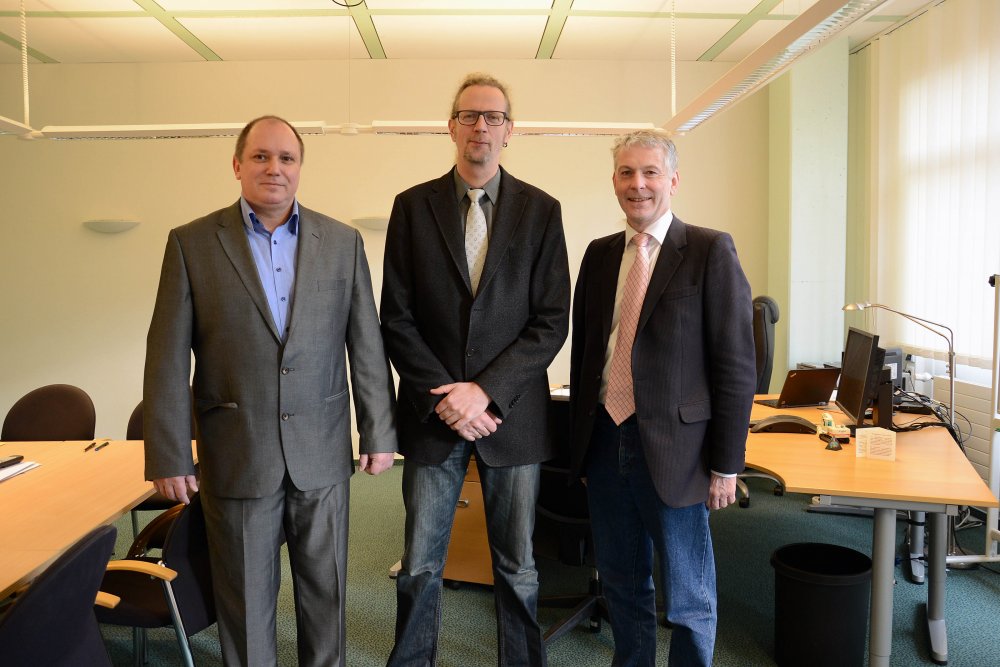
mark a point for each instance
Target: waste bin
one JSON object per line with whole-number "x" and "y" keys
{"x": 821, "y": 595}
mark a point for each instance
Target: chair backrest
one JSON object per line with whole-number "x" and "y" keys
{"x": 52, "y": 412}
{"x": 562, "y": 516}
{"x": 52, "y": 623}
{"x": 186, "y": 551}
{"x": 134, "y": 429}
{"x": 765, "y": 315}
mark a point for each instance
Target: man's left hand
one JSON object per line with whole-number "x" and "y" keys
{"x": 721, "y": 492}
{"x": 373, "y": 464}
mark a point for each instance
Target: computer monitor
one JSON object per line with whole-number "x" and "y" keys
{"x": 859, "y": 374}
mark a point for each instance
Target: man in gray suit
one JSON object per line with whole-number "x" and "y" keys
{"x": 270, "y": 297}
{"x": 475, "y": 305}
{"x": 661, "y": 382}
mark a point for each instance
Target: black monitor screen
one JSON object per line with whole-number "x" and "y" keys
{"x": 859, "y": 374}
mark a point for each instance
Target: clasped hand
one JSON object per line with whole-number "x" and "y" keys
{"x": 463, "y": 409}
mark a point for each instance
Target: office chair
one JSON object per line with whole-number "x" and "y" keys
{"x": 52, "y": 412}
{"x": 562, "y": 532}
{"x": 156, "y": 502}
{"x": 765, "y": 316}
{"x": 52, "y": 622}
{"x": 174, "y": 590}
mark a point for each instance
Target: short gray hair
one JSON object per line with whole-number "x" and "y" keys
{"x": 654, "y": 138}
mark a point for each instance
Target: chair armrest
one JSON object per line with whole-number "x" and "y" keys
{"x": 142, "y": 567}
{"x": 107, "y": 600}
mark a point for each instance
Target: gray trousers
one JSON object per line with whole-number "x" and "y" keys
{"x": 245, "y": 537}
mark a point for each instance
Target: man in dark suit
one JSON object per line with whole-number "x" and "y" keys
{"x": 270, "y": 297}
{"x": 661, "y": 381}
{"x": 475, "y": 305}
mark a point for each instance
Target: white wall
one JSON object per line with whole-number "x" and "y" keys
{"x": 76, "y": 304}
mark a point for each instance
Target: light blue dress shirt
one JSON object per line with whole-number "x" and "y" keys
{"x": 274, "y": 255}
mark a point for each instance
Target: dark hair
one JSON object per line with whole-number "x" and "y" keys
{"x": 480, "y": 79}
{"x": 241, "y": 141}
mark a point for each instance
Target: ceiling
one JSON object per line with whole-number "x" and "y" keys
{"x": 136, "y": 31}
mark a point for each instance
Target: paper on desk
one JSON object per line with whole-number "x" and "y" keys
{"x": 15, "y": 470}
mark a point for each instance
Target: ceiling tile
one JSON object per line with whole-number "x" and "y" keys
{"x": 456, "y": 37}
{"x": 686, "y": 6}
{"x": 749, "y": 41}
{"x": 592, "y": 38}
{"x": 458, "y": 4}
{"x": 103, "y": 40}
{"x": 244, "y": 5}
{"x": 278, "y": 38}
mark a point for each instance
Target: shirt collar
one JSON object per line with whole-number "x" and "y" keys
{"x": 658, "y": 230}
{"x": 492, "y": 186}
{"x": 252, "y": 224}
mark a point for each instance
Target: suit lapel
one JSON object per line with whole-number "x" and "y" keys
{"x": 506, "y": 217}
{"x": 666, "y": 265}
{"x": 609, "y": 268}
{"x": 307, "y": 266}
{"x": 447, "y": 214}
{"x": 232, "y": 237}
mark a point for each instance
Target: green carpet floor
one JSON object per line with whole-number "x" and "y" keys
{"x": 744, "y": 541}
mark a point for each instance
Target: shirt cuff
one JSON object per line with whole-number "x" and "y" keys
{"x": 725, "y": 474}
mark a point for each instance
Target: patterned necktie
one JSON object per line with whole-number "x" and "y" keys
{"x": 475, "y": 238}
{"x": 619, "y": 399}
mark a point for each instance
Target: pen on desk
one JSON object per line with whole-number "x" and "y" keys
{"x": 102, "y": 445}
{"x": 90, "y": 446}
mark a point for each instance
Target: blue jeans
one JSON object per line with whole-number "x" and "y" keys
{"x": 629, "y": 520}
{"x": 430, "y": 493}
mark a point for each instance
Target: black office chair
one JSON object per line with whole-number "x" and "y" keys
{"x": 765, "y": 316}
{"x": 174, "y": 590}
{"x": 156, "y": 502}
{"x": 52, "y": 622}
{"x": 52, "y": 412}
{"x": 562, "y": 532}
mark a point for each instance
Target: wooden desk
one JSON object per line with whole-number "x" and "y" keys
{"x": 930, "y": 474}
{"x": 48, "y": 509}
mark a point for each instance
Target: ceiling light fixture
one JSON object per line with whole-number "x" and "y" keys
{"x": 565, "y": 129}
{"x": 169, "y": 131}
{"x": 813, "y": 27}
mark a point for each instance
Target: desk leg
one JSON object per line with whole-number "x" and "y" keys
{"x": 936, "y": 626}
{"x": 915, "y": 542}
{"x": 883, "y": 574}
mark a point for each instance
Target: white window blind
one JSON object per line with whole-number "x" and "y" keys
{"x": 932, "y": 192}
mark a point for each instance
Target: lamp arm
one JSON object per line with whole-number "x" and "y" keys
{"x": 922, "y": 322}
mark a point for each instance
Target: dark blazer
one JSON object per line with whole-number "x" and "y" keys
{"x": 693, "y": 359}
{"x": 504, "y": 339}
{"x": 264, "y": 407}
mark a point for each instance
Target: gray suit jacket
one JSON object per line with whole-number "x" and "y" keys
{"x": 694, "y": 368}
{"x": 504, "y": 338}
{"x": 263, "y": 408}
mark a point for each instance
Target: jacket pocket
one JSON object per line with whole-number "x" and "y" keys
{"x": 335, "y": 285}
{"x": 681, "y": 292}
{"x": 691, "y": 413}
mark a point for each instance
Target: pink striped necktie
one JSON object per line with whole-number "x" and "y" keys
{"x": 619, "y": 399}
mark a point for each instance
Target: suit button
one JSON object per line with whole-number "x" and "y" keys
{"x": 285, "y": 371}
{"x": 471, "y": 352}
{"x": 285, "y": 416}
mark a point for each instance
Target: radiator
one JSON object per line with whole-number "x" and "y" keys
{"x": 974, "y": 402}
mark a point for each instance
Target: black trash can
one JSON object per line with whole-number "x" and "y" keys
{"x": 821, "y": 595}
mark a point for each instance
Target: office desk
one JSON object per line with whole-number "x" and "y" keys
{"x": 48, "y": 509}
{"x": 930, "y": 474}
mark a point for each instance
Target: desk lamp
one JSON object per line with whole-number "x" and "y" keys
{"x": 926, "y": 324}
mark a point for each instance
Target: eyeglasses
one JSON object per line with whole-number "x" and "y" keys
{"x": 472, "y": 117}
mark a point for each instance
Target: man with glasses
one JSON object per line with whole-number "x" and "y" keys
{"x": 475, "y": 305}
